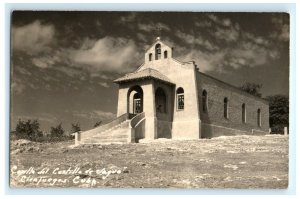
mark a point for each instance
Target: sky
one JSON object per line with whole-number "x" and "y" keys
{"x": 63, "y": 63}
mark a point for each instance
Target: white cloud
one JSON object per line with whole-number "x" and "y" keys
{"x": 218, "y": 21}
{"x": 128, "y": 18}
{"x": 17, "y": 87}
{"x": 251, "y": 51}
{"x": 204, "y": 61}
{"x": 253, "y": 54}
{"x": 225, "y": 29}
{"x": 104, "y": 114}
{"x": 195, "y": 39}
{"x": 33, "y": 38}
{"x": 108, "y": 54}
{"x": 256, "y": 39}
{"x": 104, "y": 84}
{"x": 96, "y": 114}
{"x": 141, "y": 37}
{"x": 153, "y": 27}
{"x": 203, "y": 24}
{"x": 283, "y": 32}
{"x": 226, "y": 22}
{"x": 46, "y": 117}
{"x": 43, "y": 62}
{"x": 229, "y": 34}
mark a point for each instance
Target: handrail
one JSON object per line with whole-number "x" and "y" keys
{"x": 136, "y": 119}
{"x": 109, "y": 125}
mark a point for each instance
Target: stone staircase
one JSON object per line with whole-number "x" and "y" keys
{"x": 116, "y": 135}
{"x": 118, "y": 131}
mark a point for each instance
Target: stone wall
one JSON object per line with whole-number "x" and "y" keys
{"x": 216, "y": 92}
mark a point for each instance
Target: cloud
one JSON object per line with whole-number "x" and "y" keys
{"x": 95, "y": 114}
{"x": 104, "y": 84}
{"x": 43, "y": 62}
{"x": 256, "y": 39}
{"x": 203, "y": 24}
{"x": 196, "y": 39}
{"x": 252, "y": 54}
{"x": 217, "y": 20}
{"x": 71, "y": 71}
{"x": 251, "y": 51}
{"x": 128, "y": 18}
{"x": 104, "y": 114}
{"x": 45, "y": 117}
{"x": 141, "y": 37}
{"x": 282, "y": 28}
{"x": 224, "y": 29}
{"x": 17, "y": 87}
{"x": 229, "y": 34}
{"x": 33, "y": 38}
{"x": 107, "y": 54}
{"x": 153, "y": 27}
{"x": 204, "y": 61}
{"x": 241, "y": 48}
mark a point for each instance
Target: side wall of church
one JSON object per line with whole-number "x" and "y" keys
{"x": 213, "y": 121}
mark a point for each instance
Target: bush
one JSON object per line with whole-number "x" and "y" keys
{"x": 57, "y": 131}
{"x": 28, "y": 130}
{"x": 279, "y": 113}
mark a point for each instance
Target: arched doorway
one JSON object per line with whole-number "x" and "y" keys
{"x": 160, "y": 101}
{"x": 135, "y": 100}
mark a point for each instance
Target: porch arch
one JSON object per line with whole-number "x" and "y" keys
{"x": 135, "y": 100}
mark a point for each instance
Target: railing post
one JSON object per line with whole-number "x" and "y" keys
{"x": 77, "y": 138}
{"x": 285, "y": 131}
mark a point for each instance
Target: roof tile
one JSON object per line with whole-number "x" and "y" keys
{"x": 143, "y": 74}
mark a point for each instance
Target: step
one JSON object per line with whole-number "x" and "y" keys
{"x": 99, "y": 141}
{"x": 114, "y": 132}
{"x": 108, "y": 136}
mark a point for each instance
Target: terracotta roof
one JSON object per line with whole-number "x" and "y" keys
{"x": 147, "y": 73}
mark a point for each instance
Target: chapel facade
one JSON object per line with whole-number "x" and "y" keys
{"x": 167, "y": 98}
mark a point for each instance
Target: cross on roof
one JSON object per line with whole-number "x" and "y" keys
{"x": 158, "y": 31}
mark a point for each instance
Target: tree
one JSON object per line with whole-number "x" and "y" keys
{"x": 57, "y": 131}
{"x": 98, "y": 123}
{"x": 75, "y": 127}
{"x": 252, "y": 88}
{"x": 279, "y": 112}
{"x": 29, "y": 130}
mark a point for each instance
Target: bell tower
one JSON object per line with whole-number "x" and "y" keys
{"x": 158, "y": 51}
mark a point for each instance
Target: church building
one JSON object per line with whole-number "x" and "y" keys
{"x": 167, "y": 98}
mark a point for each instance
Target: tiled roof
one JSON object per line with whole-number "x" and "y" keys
{"x": 144, "y": 74}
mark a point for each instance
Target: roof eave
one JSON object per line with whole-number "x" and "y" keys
{"x": 141, "y": 78}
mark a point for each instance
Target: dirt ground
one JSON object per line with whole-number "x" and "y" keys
{"x": 223, "y": 162}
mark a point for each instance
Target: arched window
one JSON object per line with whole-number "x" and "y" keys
{"x": 157, "y": 51}
{"x": 160, "y": 101}
{"x": 180, "y": 98}
{"x": 244, "y": 113}
{"x": 258, "y": 117}
{"x": 226, "y": 107}
{"x": 150, "y": 57}
{"x": 166, "y": 54}
{"x": 204, "y": 101}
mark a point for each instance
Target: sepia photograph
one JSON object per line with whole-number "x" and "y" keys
{"x": 172, "y": 100}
